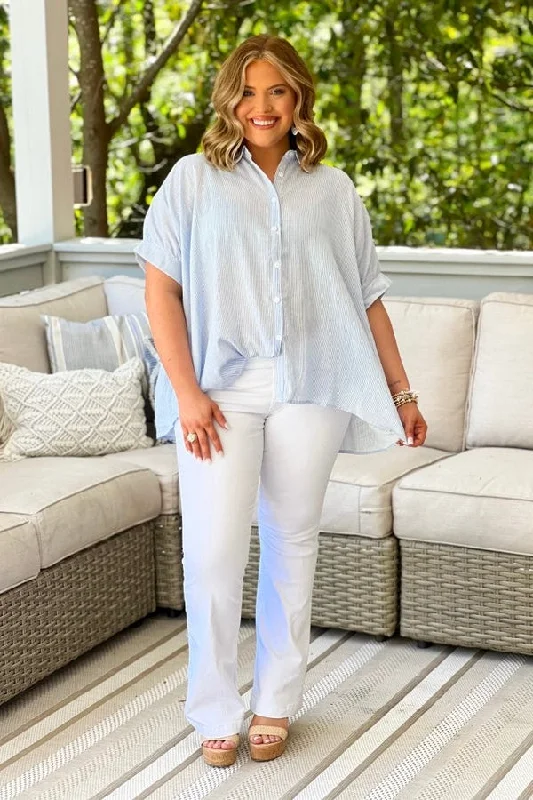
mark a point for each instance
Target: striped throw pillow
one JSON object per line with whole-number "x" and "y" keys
{"x": 104, "y": 343}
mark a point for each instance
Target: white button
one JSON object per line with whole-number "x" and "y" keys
{"x": 279, "y": 337}
{"x": 277, "y": 299}
{"x": 277, "y": 264}
{"x": 275, "y": 229}
{"x": 280, "y": 173}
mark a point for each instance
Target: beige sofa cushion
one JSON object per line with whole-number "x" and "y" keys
{"x": 162, "y": 461}
{"x": 19, "y": 551}
{"x": 480, "y": 498}
{"x": 436, "y": 338}
{"x": 77, "y": 502}
{"x": 501, "y": 401}
{"x": 358, "y": 498}
{"x": 22, "y": 337}
{"x": 125, "y": 295}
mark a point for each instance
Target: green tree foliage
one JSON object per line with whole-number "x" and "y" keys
{"x": 428, "y": 106}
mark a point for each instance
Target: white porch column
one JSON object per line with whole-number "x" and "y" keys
{"x": 41, "y": 119}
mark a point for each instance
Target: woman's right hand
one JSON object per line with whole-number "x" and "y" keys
{"x": 198, "y": 413}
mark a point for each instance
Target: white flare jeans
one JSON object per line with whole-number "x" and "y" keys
{"x": 286, "y": 451}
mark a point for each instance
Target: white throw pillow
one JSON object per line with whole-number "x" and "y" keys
{"x": 436, "y": 338}
{"x": 500, "y": 412}
{"x": 84, "y": 412}
{"x": 125, "y": 295}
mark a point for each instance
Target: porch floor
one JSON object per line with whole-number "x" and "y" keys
{"x": 380, "y": 720}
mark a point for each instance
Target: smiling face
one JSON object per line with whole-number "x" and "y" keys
{"x": 267, "y": 107}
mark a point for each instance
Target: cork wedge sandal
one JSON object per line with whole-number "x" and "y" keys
{"x": 220, "y": 757}
{"x": 266, "y": 752}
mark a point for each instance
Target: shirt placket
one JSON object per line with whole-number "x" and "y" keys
{"x": 277, "y": 297}
{"x": 275, "y": 232}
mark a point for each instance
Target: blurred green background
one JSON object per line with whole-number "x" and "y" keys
{"x": 427, "y": 106}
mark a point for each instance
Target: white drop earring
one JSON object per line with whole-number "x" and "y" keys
{"x": 294, "y": 130}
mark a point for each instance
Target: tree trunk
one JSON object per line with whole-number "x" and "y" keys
{"x": 394, "y": 96}
{"x": 395, "y": 88}
{"x": 149, "y": 28}
{"x": 7, "y": 179}
{"x": 96, "y": 134}
{"x": 358, "y": 76}
{"x": 354, "y": 27}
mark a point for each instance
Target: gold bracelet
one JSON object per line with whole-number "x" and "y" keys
{"x": 405, "y": 401}
{"x": 405, "y": 392}
{"x": 405, "y": 396}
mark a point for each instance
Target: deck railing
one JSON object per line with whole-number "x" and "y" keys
{"x": 428, "y": 272}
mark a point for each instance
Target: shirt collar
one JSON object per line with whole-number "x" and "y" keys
{"x": 290, "y": 155}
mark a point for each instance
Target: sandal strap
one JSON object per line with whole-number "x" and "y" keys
{"x": 234, "y": 737}
{"x": 268, "y": 730}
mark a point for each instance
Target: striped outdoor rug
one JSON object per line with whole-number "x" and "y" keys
{"x": 380, "y": 720}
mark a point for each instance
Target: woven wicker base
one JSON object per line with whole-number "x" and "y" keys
{"x": 168, "y": 562}
{"x": 73, "y": 606}
{"x": 475, "y": 598}
{"x": 356, "y": 583}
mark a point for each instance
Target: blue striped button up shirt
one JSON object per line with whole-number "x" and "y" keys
{"x": 279, "y": 269}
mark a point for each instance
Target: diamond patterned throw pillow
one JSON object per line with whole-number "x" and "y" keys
{"x": 77, "y": 413}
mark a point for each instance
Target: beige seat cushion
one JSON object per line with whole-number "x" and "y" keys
{"x": 22, "y": 337}
{"x": 502, "y": 387}
{"x": 480, "y": 498}
{"x": 19, "y": 551}
{"x": 358, "y": 498}
{"x": 436, "y": 338}
{"x": 76, "y": 502}
{"x": 162, "y": 461}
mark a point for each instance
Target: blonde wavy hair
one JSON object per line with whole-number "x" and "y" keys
{"x": 223, "y": 141}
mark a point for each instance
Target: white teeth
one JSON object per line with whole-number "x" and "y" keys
{"x": 263, "y": 122}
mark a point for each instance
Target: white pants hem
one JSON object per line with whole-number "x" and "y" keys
{"x": 217, "y": 731}
{"x": 272, "y": 711}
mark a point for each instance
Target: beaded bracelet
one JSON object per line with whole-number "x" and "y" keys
{"x": 405, "y": 396}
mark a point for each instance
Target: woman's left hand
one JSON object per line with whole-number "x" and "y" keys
{"x": 414, "y": 424}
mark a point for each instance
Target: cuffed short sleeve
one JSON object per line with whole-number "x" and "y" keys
{"x": 373, "y": 283}
{"x": 376, "y": 289}
{"x": 160, "y": 243}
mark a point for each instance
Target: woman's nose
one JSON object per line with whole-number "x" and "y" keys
{"x": 265, "y": 104}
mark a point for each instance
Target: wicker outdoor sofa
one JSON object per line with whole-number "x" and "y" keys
{"x": 431, "y": 542}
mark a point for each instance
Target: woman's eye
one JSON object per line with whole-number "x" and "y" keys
{"x": 279, "y": 91}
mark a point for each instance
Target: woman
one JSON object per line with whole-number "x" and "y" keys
{"x": 263, "y": 292}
